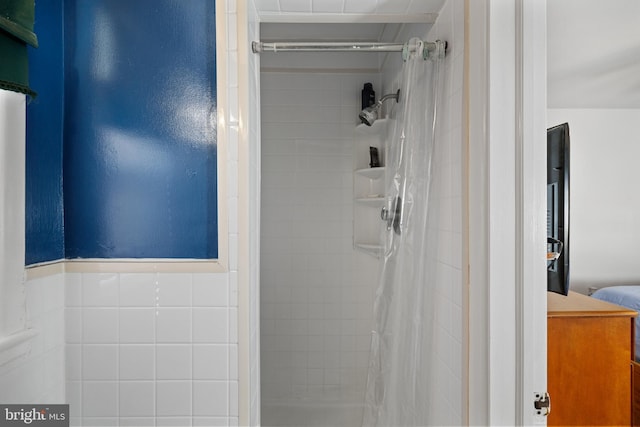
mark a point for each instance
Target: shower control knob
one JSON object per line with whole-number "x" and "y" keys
{"x": 384, "y": 214}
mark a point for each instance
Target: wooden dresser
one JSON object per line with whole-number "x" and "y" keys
{"x": 589, "y": 354}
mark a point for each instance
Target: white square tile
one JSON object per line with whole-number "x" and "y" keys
{"x": 174, "y": 290}
{"x": 393, "y": 7}
{"x": 173, "y": 398}
{"x": 233, "y": 399}
{"x": 73, "y": 325}
{"x": 173, "y": 362}
{"x": 232, "y": 174}
{"x": 53, "y": 290}
{"x": 73, "y": 362}
{"x": 232, "y": 39}
{"x": 268, "y": 5}
{"x": 74, "y": 398}
{"x": 173, "y": 421}
{"x": 233, "y": 325}
{"x": 100, "y": 289}
{"x": 327, "y": 6}
{"x": 73, "y": 290}
{"x": 99, "y": 422}
{"x": 301, "y": 6}
{"x": 138, "y": 289}
{"x": 210, "y": 422}
{"x": 137, "y": 325}
{"x": 99, "y": 399}
{"x": 173, "y": 325}
{"x": 210, "y": 398}
{"x": 210, "y": 362}
{"x": 233, "y": 288}
{"x": 210, "y": 325}
{"x": 137, "y": 362}
{"x": 99, "y": 362}
{"x": 210, "y": 289}
{"x": 100, "y": 325}
{"x": 53, "y": 329}
{"x": 233, "y": 252}
{"x": 233, "y": 362}
{"x": 425, "y": 6}
{"x": 137, "y": 422}
{"x": 137, "y": 399}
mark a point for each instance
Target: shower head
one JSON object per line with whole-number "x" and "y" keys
{"x": 370, "y": 114}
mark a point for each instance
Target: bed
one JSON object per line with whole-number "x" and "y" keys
{"x": 629, "y": 297}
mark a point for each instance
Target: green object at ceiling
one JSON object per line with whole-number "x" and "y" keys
{"x": 16, "y": 32}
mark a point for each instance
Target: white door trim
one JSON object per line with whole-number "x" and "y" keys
{"x": 506, "y": 95}
{"x": 531, "y": 155}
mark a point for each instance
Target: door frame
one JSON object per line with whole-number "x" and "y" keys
{"x": 506, "y": 155}
{"x": 505, "y": 59}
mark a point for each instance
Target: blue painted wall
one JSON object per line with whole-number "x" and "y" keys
{"x": 139, "y": 130}
{"x": 44, "y": 203}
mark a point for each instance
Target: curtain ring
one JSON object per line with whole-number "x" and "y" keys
{"x": 425, "y": 50}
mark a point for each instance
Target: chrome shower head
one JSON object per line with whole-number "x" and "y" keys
{"x": 370, "y": 114}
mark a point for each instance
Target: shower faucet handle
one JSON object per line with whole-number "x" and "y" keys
{"x": 384, "y": 215}
{"x": 393, "y": 216}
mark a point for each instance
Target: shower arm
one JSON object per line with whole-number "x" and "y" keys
{"x": 395, "y": 96}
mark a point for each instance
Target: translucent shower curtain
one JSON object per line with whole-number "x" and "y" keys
{"x": 400, "y": 386}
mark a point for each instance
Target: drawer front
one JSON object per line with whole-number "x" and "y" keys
{"x": 589, "y": 377}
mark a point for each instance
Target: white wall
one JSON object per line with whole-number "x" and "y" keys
{"x": 253, "y": 307}
{"x": 12, "y": 200}
{"x": 604, "y": 227}
{"x": 31, "y": 312}
{"x": 37, "y": 374}
{"x": 448, "y": 405}
{"x": 316, "y": 291}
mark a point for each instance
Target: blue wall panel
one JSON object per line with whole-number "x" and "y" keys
{"x": 44, "y": 200}
{"x": 140, "y": 129}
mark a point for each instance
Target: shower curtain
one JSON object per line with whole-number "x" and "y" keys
{"x": 400, "y": 386}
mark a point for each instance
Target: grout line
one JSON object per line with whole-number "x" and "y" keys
{"x": 118, "y": 416}
{"x": 155, "y": 351}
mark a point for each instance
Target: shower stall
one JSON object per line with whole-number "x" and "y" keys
{"x": 322, "y": 239}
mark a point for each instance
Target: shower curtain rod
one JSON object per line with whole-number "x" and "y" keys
{"x": 259, "y": 47}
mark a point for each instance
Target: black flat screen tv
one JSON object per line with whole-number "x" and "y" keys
{"x": 558, "y": 208}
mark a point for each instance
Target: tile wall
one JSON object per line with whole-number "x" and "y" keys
{"x": 151, "y": 349}
{"x": 316, "y": 291}
{"x": 349, "y": 6}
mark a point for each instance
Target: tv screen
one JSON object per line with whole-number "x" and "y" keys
{"x": 558, "y": 209}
